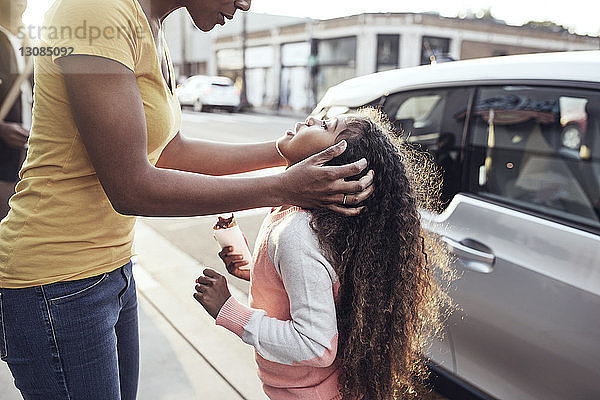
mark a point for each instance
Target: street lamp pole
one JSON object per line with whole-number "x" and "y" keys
{"x": 184, "y": 22}
{"x": 244, "y": 99}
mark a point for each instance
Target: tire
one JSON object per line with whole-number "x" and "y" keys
{"x": 198, "y": 106}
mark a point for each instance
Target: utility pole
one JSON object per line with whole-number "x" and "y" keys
{"x": 184, "y": 24}
{"x": 244, "y": 100}
{"x": 313, "y": 70}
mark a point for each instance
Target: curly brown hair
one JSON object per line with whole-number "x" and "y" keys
{"x": 389, "y": 302}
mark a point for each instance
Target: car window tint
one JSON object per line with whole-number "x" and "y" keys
{"x": 418, "y": 108}
{"x": 433, "y": 120}
{"x": 333, "y": 111}
{"x": 538, "y": 149}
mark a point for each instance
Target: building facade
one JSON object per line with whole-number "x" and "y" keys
{"x": 290, "y": 62}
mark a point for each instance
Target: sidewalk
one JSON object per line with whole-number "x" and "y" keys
{"x": 299, "y": 115}
{"x": 183, "y": 354}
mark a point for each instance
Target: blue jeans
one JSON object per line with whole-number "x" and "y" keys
{"x": 75, "y": 340}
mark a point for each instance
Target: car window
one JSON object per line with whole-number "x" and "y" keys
{"x": 418, "y": 108}
{"x": 433, "y": 120}
{"x": 537, "y": 148}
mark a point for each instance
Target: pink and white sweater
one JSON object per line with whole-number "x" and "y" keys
{"x": 291, "y": 321}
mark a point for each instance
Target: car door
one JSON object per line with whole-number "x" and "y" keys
{"x": 525, "y": 233}
{"x": 434, "y": 121}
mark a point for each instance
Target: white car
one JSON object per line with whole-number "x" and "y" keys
{"x": 204, "y": 92}
{"x": 518, "y": 141}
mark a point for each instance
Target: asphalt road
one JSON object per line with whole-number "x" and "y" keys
{"x": 234, "y": 128}
{"x": 194, "y": 235}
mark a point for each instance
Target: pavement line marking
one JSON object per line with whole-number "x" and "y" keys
{"x": 254, "y": 211}
{"x": 184, "y": 223}
{"x": 143, "y": 280}
{"x": 259, "y": 119}
{"x": 206, "y": 360}
{"x": 169, "y": 248}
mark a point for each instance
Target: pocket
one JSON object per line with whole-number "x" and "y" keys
{"x": 60, "y": 292}
{"x": 3, "y": 351}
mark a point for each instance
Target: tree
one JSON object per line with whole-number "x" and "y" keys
{"x": 486, "y": 14}
{"x": 547, "y": 25}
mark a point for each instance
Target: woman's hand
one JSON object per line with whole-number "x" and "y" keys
{"x": 234, "y": 262}
{"x": 212, "y": 291}
{"x": 309, "y": 184}
{"x": 13, "y": 135}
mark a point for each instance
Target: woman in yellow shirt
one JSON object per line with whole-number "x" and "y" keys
{"x": 105, "y": 146}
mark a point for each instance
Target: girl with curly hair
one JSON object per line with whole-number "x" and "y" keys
{"x": 341, "y": 307}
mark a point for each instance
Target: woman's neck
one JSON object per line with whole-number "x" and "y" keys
{"x": 157, "y": 10}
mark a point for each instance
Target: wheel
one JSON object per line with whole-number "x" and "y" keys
{"x": 198, "y": 105}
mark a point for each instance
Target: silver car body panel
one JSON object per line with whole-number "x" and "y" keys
{"x": 575, "y": 253}
{"x": 530, "y": 328}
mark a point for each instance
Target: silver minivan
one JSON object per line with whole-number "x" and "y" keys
{"x": 518, "y": 141}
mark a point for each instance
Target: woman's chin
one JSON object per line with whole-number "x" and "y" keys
{"x": 204, "y": 26}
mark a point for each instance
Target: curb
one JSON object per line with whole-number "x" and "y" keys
{"x": 165, "y": 278}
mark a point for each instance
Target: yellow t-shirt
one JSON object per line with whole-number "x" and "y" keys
{"x": 61, "y": 225}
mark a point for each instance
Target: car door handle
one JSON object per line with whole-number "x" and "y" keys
{"x": 480, "y": 259}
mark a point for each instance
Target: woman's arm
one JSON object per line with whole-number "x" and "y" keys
{"x": 108, "y": 111}
{"x": 213, "y": 158}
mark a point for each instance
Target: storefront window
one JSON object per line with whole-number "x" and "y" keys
{"x": 229, "y": 59}
{"x": 259, "y": 57}
{"x": 260, "y": 85}
{"x": 295, "y": 54}
{"x": 434, "y": 48}
{"x": 339, "y": 51}
{"x": 388, "y": 52}
{"x": 336, "y": 62}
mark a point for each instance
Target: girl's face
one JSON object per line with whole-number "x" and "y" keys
{"x": 309, "y": 137}
{"x": 207, "y": 13}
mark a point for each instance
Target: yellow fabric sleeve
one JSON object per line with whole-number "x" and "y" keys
{"x": 108, "y": 28}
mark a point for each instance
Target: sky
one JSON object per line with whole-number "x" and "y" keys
{"x": 580, "y": 16}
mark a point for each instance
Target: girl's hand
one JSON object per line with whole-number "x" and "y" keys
{"x": 234, "y": 262}
{"x": 212, "y": 291}
{"x": 309, "y": 184}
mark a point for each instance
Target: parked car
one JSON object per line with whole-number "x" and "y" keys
{"x": 207, "y": 92}
{"x": 520, "y": 140}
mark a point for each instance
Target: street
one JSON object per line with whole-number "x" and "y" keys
{"x": 194, "y": 235}
{"x": 234, "y": 128}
